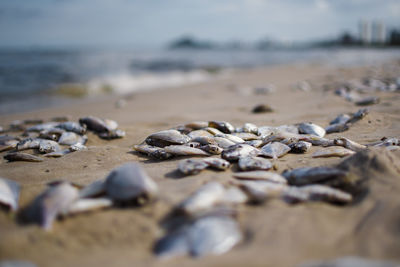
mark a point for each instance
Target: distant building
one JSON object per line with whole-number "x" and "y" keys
{"x": 365, "y": 32}
{"x": 378, "y": 32}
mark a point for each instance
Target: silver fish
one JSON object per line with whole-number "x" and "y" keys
{"x": 213, "y": 130}
{"x": 197, "y": 125}
{"x": 309, "y": 175}
{"x": 235, "y": 152}
{"x": 94, "y": 124}
{"x": 205, "y": 140}
{"x": 231, "y": 137}
{"x": 160, "y": 154}
{"x": 51, "y": 203}
{"x": 18, "y": 156}
{"x": 223, "y": 126}
{"x": 274, "y": 150}
{"x": 71, "y": 138}
{"x": 334, "y": 151}
{"x": 71, "y": 126}
{"x": 337, "y": 128}
{"x": 9, "y": 193}
{"x": 204, "y": 198}
{"x": 388, "y": 142}
{"x": 217, "y": 163}
{"x": 247, "y": 136}
{"x": 261, "y": 175}
{"x": 87, "y": 204}
{"x": 48, "y": 146}
{"x": 254, "y": 163}
{"x": 193, "y": 144}
{"x": 29, "y": 143}
{"x": 212, "y": 149}
{"x": 130, "y": 182}
{"x": 199, "y": 133}
{"x": 223, "y": 142}
{"x": 340, "y": 119}
{"x": 77, "y": 147}
{"x": 326, "y": 193}
{"x": 360, "y": 114}
{"x": 248, "y": 128}
{"x": 368, "y": 100}
{"x": 166, "y": 138}
{"x": 311, "y": 128}
{"x": 185, "y": 151}
{"x": 191, "y": 166}
{"x": 42, "y": 127}
{"x": 347, "y": 143}
{"x": 145, "y": 148}
{"x": 112, "y": 134}
{"x": 258, "y": 190}
{"x": 300, "y": 147}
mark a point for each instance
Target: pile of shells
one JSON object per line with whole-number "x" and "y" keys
{"x": 127, "y": 184}
{"x": 55, "y": 138}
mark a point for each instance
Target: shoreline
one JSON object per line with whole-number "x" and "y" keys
{"x": 279, "y": 234}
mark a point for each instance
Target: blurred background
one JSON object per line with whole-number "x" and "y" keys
{"x": 55, "y": 51}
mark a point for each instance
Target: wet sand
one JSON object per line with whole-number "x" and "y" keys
{"x": 277, "y": 234}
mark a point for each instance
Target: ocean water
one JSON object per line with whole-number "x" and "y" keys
{"x": 34, "y": 78}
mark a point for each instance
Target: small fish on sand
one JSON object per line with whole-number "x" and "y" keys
{"x": 254, "y": 163}
{"x": 166, "y": 138}
{"x": 300, "y": 147}
{"x": 191, "y": 166}
{"x": 274, "y": 150}
{"x": 333, "y": 151}
{"x": 261, "y": 175}
{"x": 309, "y": 175}
{"x": 311, "y": 128}
{"x": 185, "y": 151}
{"x": 19, "y": 156}
{"x": 235, "y": 152}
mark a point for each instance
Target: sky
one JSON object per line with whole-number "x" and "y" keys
{"x": 61, "y": 23}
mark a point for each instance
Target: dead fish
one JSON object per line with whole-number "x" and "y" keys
{"x": 42, "y": 127}
{"x": 223, "y": 142}
{"x": 300, "y": 147}
{"x": 259, "y": 190}
{"x": 247, "y": 136}
{"x": 199, "y": 133}
{"x": 213, "y": 235}
{"x": 77, "y": 147}
{"x": 274, "y": 150}
{"x": 311, "y": 128}
{"x": 46, "y": 135}
{"x": 255, "y": 143}
{"x": 166, "y": 138}
{"x": 347, "y": 143}
{"x": 94, "y": 189}
{"x": 254, "y": 163}
{"x": 160, "y": 154}
{"x": 388, "y": 142}
{"x": 334, "y": 151}
{"x": 193, "y": 144}
{"x": 205, "y": 197}
{"x": 145, "y": 148}
{"x": 360, "y": 114}
{"x": 213, "y": 131}
{"x": 234, "y": 195}
{"x": 211, "y": 149}
{"x": 235, "y": 152}
{"x": 294, "y": 194}
{"x": 71, "y": 126}
{"x": 19, "y": 156}
{"x": 318, "y": 141}
{"x": 130, "y": 182}
{"x": 58, "y": 154}
{"x": 340, "y": 119}
{"x": 337, "y": 128}
{"x": 112, "y": 134}
{"x": 51, "y": 203}
{"x": 309, "y": 175}
{"x": 205, "y": 140}
{"x": 48, "y": 146}
{"x": 223, "y": 126}
{"x": 9, "y": 193}
{"x": 197, "y": 125}
{"x": 87, "y": 204}
{"x": 326, "y": 193}
{"x": 207, "y": 235}
{"x": 71, "y": 138}
{"x": 368, "y": 100}
{"x": 191, "y": 166}
{"x": 185, "y": 151}
{"x": 217, "y": 163}
{"x": 28, "y": 143}
{"x": 231, "y": 137}
{"x": 94, "y": 124}
{"x": 261, "y": 175}
{"x": 8, "y": 142}
{"x": 248, "y": 128}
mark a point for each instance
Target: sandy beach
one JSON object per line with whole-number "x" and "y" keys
{"x": 276, "y": 233}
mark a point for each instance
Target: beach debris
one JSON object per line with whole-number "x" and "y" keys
{"x": 191, "y": 166}
{"x": 213, "y": 234}
{"x": 167, "y": 138}
{"x": 274, "y": 150}
{"x": 19, "y": 156}
{"x": 217, "y": 163}
{"x": 337, "y": 128}
{"x": 260, "y": 190}
{"x": 9, "y": 193}
{"x": 54, "y": 201}
{"x": 300, "y": 147}
{"x": 129, "y": 182}
{"x": 72, "y": 126}
{"x": 211, "y": 149}
{"x": 333, "y": 151}
{"x": 349, "y": 144}
{"x": 223, "y": 126}
{"x": 235, "y": 152}
{"x": 340, "y": 119}
{"x": 254, "y": 163}
{"x": 311, "y": 128}
{"x": 262, "y": 108}
{"x": 310, "y": 175}
{"x": 185, "y": 151}
{"x": 261, "y": 175}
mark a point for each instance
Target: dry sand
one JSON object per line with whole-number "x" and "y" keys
{"x": 278, "y": 234}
